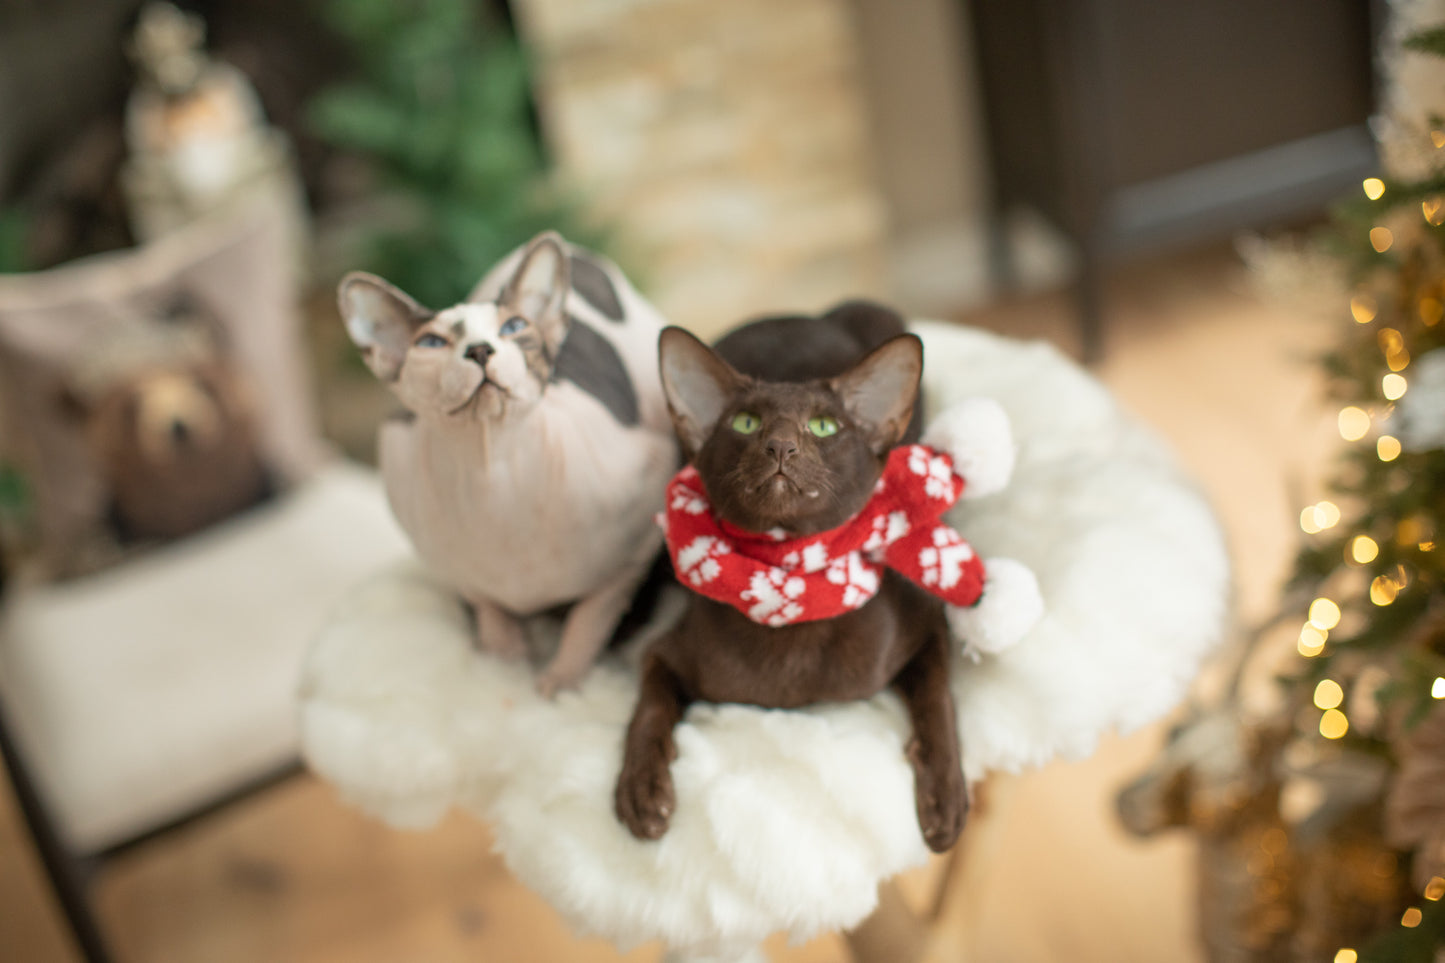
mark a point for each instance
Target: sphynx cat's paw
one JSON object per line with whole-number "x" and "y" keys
{"x": 556, "y": 678}
{"x": 644, "y": 799}
{"x": 499, "y": 633}
{"x": 941, "y": 797}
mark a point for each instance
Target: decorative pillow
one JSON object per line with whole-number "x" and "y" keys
{"x": 147, "y": 393}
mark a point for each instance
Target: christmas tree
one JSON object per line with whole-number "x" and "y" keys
{"x": 439, "y": 106}
{"x": 1322, "y": 824}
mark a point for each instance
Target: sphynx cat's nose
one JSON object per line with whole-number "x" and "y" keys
{"x": 782, "y": 449}
{"x": 480, "y": 352}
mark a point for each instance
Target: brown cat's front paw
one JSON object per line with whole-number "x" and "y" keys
{"x": 644, "y": 799}
{"x": 941, "y": 798}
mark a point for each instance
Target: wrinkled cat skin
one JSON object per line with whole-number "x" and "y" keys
{"x": 539, "y": 445}
{"x": 782, "y": 476}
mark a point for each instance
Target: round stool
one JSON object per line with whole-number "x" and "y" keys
{"x": 789, "y": 820}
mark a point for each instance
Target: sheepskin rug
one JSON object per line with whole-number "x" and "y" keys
{"x": 788, "y": 820}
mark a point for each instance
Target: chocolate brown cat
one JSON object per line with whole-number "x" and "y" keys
{"x": 789, "y": 424}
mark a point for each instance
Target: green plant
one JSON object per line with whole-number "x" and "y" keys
{"x": 440, "y": 107}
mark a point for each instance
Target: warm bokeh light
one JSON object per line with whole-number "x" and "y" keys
{"x": 1354, "y": 423}
{"x": 1329, "y": 694}
{"x": 1412, "y": 918}
{"x": 1437, "y": 690}
{"x": 1362, "y": 306}
{"x": 1437, "y": 137}
{"x": 1364, "y": 549}
{"x": 1435, "y": 888}
{"x": 1316, "y": 518}
{"x": 1432, "y": 309}
{"x": 1347, "y": 955}
{"x": 1394, "y": 386}
{"x": 1381, "y": 239}
{"x": 1311, "y": 641}
{"x": 1434, "y": 210}
{"x": 1388, "y": 448}
{"x": 1324, "y": 614}
{"x": 1383, "y": 590}
{"x": 1333, "y": 724}
{"x": 1374, "y": 188}
{"x": 1392, "y": 343}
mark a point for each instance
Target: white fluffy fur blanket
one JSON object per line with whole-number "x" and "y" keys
{"x": 787, "y": 820}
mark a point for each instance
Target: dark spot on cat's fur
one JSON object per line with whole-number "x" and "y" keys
{"x": 403, "y": 415}
{"x": 589, "y": 361}
{"x": 590, "y": 281}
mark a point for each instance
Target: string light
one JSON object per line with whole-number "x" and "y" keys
{"x": 1364, "y": 549}
{"x": 1434, "y": 210}
{"x": 1329, "y": 694}
{"x": 1324, "y": 614}
{"x": 1381, "y": 239}
{"x": 1311, "y": 641}
{"x": 1318, "y": 517}
{"x": 1388, "y": 448}
{"x": 1333, "y": 724}
{"x": 1374, "y": 188}
{"x": 1435, "y": 889}
{"x": 1383, "y": 590}
{"x": 1412, "y": 918}
{"x": 1437, "y": 689}
{"x": 1354, "y": 423}
{"x": 1392, "y": 343}
{"x": 1393, "y": 386}
{"x": 1362, "y": 306}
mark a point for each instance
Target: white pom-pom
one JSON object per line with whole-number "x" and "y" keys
{"x": 976, "y": 434}
{"x": 1010, "y": 606}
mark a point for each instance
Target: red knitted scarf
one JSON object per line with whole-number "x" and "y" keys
{"x": 776, "y": 580}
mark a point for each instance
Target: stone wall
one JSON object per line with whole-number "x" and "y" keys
{"x": 727, "y": 140}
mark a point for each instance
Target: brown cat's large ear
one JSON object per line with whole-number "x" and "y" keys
{"x": 698, "y": 384}
{"x": 381, "y": 320}
{"x": 880, "y": 391}
{"x": 538, "y": 289}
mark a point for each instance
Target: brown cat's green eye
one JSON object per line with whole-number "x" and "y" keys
{"x": 745, "y": 422}
{"x": 823, "y": 426}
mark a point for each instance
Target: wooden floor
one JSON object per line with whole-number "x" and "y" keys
{"x": 293, "y": 876}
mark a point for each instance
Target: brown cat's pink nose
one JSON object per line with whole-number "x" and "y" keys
{"x": 480, "y": 352}
{"x": 782, "y": 449}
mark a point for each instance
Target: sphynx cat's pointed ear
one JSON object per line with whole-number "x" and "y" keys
{"x": 381, "y": 319}
{"x": 538, "y": 289}
{"x": 879, "y": 392}
{"x": 698, "y": 384}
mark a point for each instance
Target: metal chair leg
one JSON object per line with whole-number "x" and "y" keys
{"x": 68, "y": 876}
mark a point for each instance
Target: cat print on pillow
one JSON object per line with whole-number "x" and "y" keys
{"x": 536, "y": 442}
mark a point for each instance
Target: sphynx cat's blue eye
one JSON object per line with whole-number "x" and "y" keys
{"x": 745, "y": 422}
{"x": 512, "y": 325}
{"x": 823, "y": 426}
{"x": 430, "y": 340}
